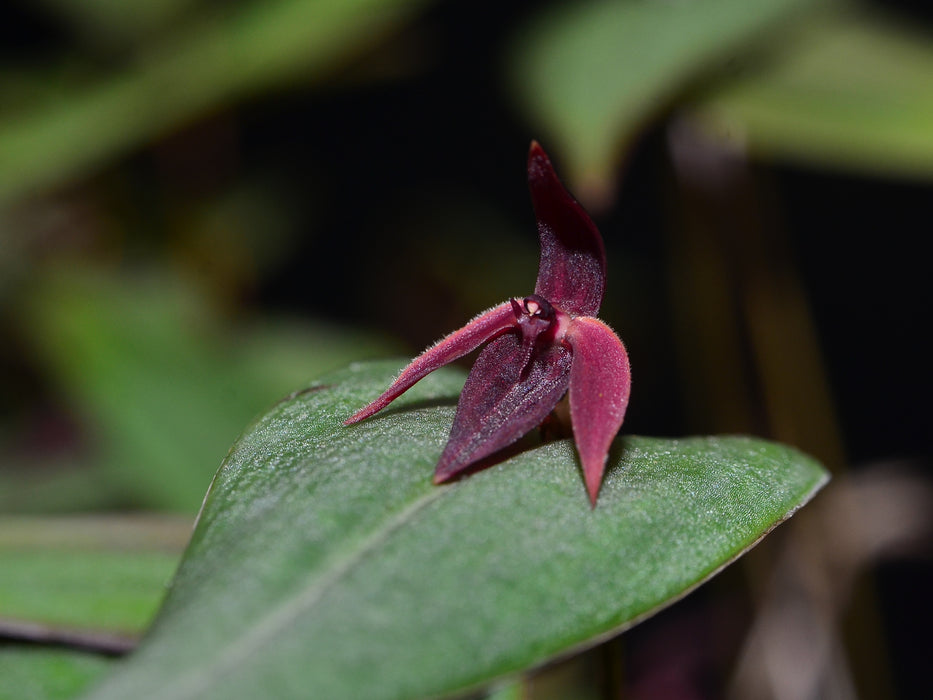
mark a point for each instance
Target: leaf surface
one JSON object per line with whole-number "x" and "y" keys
{"x": 326, "y": 564}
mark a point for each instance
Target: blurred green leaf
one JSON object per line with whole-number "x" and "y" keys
{"x": 89, "y": 574}
{"x": 166, "y": 386}
{"x": 117, "y": 21}
{"x": 81, "y": 581}
{"x": 202, "y": 66}
{"x": 48, "y": 486}
{"x": 47, "y": 674}
{"x": 850, "y": 90}
{"x": 590, "y": 74}
{"x": 325, "y": 563}
{"x": 508, "y": 690}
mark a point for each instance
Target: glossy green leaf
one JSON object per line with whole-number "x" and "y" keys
{"x": 848, "y": 90}
{"x": 77, "y": 577}
{"x": 166, "y": 385}
{"x": 325, "y": 563}
{"x": 590, "y": 74}
{"x": 35, "y": 673}
{"x": 205, "y": 65}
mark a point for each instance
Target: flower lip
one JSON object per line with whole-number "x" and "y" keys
{"x": 537, "y": 305}
{"x": 534, "y": 308}
{"x": 537, "y": 319}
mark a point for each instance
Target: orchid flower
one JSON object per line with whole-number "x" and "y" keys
{"x": 539, "y": 348}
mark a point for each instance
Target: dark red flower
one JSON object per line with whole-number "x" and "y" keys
{"x": 539, "y": 348}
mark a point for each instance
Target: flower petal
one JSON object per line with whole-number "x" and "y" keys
{"x": 600, "y": 381}
{"x": 572, "y": 272}
{"x": 484, "y": 327}
{"x": 504, "y": 397}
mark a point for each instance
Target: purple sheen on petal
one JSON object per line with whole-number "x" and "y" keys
{"x": 572, "y": 271}
{"x": 484, "y": 327}
{"x": 600, "y": 382}
{"x": 503, "y": 398}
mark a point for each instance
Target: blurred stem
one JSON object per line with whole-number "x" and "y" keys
{"x": 582, "y": 676}
{"x": 751, "y": 356}
{"x": 749, "y": 345}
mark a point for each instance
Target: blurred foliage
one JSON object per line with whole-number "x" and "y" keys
{"x": 849, "y": 89}
{"x": 164, "y": 386}
{"x": 92, "y": 581}
{"x": 215, "y": 58}
{"x": 815, "y": 80}
{"x": 36, "y": 673}
{"x": 109, "y": 24}
{"x": 90, "y": 574}
{"x": 593, "y": 73}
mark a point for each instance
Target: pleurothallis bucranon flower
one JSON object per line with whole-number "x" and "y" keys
{"x": 540, "y": 348}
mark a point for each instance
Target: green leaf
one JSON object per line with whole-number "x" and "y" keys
{"x": 49, "y": 485}
{"x": 206, "y": 65}
{"x": 849, "y": 90}
{"x": 114, "y": 21}
{"x": 77, "y": 577}
{"x": 326, "y": 564}
{"x": 47, "y": 674}
{"x": 89, "y": 581}
{"x": 507, "y": 690}
{"x": 590, "y": 74}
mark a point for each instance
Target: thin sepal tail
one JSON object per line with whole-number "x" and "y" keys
{"x": 481, "y": 329}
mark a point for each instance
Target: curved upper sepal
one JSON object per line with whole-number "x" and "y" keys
{"x": 572, "y": 272}
{"x": 484, "y": 327}
{"x": 505, "y": 396}
{"x": 600, "y": 383}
